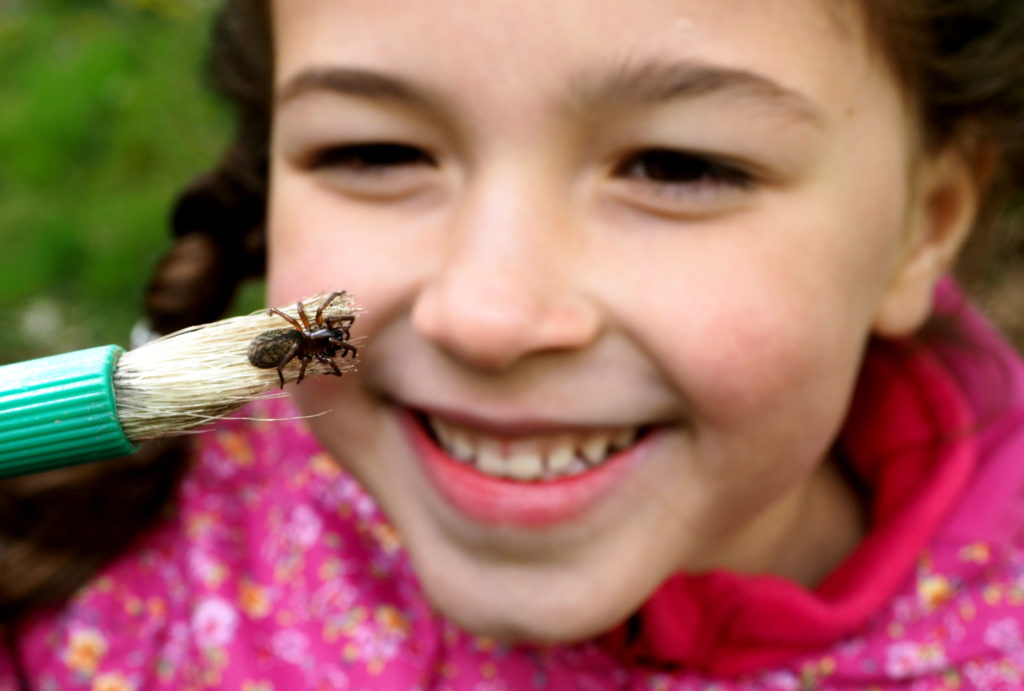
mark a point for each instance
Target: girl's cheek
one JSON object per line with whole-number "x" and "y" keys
{"x": 291, "y": 267}
{"x": 758, "y": 355}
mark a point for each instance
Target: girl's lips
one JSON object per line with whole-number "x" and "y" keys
{"x": 497, "y": 501}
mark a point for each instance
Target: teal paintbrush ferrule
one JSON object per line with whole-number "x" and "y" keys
{"x": 60, "y": 410}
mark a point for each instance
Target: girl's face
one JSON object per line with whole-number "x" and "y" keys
{"x": 618, "y": 261}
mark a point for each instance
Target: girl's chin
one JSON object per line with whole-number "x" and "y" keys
{"x": 536, "y": 604}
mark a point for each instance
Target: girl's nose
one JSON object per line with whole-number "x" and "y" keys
{"x": 509, "y": 284}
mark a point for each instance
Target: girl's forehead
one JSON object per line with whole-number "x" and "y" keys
{"x": 800, "y": 56}
{"x": 513, "y": 32}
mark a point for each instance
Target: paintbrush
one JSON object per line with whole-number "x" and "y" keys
{"x": 99, "y": 403}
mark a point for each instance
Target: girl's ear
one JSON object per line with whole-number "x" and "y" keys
{"x": 944, "y": 205}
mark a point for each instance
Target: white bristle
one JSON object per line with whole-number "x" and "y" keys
{"x": 199, "y": 374}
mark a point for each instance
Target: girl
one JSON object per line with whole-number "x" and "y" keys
{"x": 644, "y": 397}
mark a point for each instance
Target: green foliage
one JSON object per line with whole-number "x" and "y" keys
{"x": 103, "y": 118}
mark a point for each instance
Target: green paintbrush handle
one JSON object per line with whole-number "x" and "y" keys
{"x": 59, "y": 411}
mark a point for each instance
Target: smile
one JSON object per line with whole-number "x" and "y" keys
{"x": 531, "y": 458}
{"x": 530, "y": 480}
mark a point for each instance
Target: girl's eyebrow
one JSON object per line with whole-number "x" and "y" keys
{"x": 630, "y": 84}
{"x": 657, "y": 81}
{"x": 353, "y": 82}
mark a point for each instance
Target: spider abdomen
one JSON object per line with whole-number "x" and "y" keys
{"x": 271, "y": 348}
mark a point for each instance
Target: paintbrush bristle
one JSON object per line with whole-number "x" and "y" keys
{"x": 197, "y": 375}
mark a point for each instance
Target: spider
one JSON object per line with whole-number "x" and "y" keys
{"x": 324, "y": 339}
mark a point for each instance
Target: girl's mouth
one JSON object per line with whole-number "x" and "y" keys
{"x": 528, "y": 480}
{"x": 532, "y": 458}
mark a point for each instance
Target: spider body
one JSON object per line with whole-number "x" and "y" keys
{"x": 270, "y": 348}
{"x": 323, "y": 340}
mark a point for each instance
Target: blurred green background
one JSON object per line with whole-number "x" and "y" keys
{"x": 103, "y": 118}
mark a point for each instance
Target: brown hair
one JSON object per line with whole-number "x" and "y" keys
{"x": 961, "y": 60}
{"x": 962, "y": 65}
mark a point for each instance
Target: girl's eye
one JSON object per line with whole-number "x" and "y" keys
{"x": 373, "y": 171}
{"x": 374, "y": 157}
{"x": 678, "y": 177}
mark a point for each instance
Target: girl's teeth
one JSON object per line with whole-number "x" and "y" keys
{"x": 578, "y": 466}
{"x": 525, "y": 467}
{"x": 539, "y": 457}
{"x": 489, "y": 458}
{"x": 561, "y": 454}
{"x": 594, "y": 447}
{"x": 442, "y": 431}
{"x": 525, "y": 461}
{"x": 460, "y": 445}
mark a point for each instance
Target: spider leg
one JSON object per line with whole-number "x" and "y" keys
{"x": 334, "y": 366}
{"x": 285, "y": 360}
{"x": 302, "y": 370}
{"x": 342, "y": 324}
{"x": 323, "y": 305}
{"x": 288, "y": 319}
{"x": 345, "y": 347}
{"x": 330, "y": 361}
{"x": 302, "y": 315}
